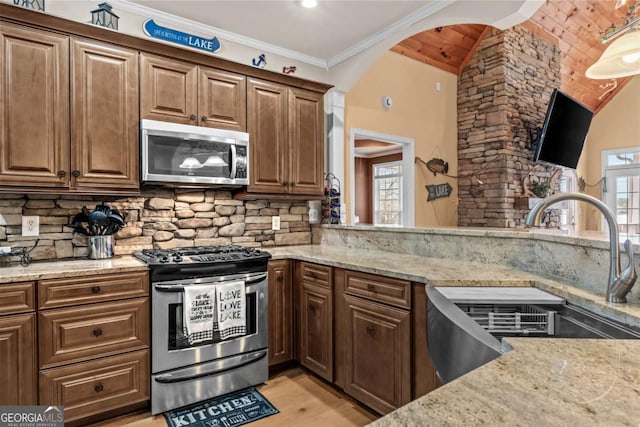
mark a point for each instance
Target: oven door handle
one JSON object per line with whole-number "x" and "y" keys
{"x": 212, "y": 368}
{"x": 179, "y": 288}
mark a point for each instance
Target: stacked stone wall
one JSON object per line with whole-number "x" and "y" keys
{"x": 502, "y": 94}
{"x": 161, "y": 218}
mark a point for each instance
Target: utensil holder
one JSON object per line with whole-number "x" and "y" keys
{"x": 100, "y": 247}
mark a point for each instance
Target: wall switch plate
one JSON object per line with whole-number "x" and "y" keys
{"x": 30, "y": 225}
{"x": 275, "y": 223}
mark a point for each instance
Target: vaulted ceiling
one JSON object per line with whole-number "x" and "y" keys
{"x": 575, "y": 25}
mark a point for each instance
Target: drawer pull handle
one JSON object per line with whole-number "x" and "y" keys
{"x": 370, "y": 287}
{"x": 95, "y": 290}
{"x": 98, "y": 388}
{"x": 97, "y": 332}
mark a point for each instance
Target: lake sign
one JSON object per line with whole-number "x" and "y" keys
{"x": 438, "y": 191}
{"x": 154, "y": 30}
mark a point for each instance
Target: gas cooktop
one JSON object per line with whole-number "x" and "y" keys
{"x": 201, "y": 255}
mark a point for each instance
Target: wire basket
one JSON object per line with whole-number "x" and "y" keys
{"x": 521, "y": 319}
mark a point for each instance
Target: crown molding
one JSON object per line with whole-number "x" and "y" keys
{"x": 407, "y": 21}
{"x": 184, "y": 23}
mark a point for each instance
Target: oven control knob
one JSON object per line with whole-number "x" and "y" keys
{"x": 164, "y": 259}
{"x": 177, "y": 259}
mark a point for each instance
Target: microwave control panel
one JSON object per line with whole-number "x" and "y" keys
{"x": 241, "y": 162}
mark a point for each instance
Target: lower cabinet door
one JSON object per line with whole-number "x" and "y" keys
{"x": 378, "y": 354}
{"x": 97, "y": 387}
{"x": 280, "y": 312}
{"x": 316, "y": 329}
{"x": 18, "y": 370}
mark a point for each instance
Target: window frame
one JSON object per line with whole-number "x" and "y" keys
{"x": 400, "y": 191}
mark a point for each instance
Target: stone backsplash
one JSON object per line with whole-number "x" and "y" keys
{"x": 158, "y": 218}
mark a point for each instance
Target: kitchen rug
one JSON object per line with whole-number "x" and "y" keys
{"x": 230, "y": 410}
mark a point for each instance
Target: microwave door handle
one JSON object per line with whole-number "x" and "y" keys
{"x": 232, "y": 174}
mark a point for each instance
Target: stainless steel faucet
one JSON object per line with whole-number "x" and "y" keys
{"x": 620, "y": 283}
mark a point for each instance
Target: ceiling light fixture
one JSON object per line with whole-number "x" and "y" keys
{"x": 622, "y": 57}
{"x": 309, "y": 3}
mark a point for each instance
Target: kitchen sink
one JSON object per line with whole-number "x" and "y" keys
{"x": 464, "y": 334}
{"x": 573, "y": 321}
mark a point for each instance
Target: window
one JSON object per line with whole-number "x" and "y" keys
{"x": 567, "y": 211}
{"x": 387, "y": 193}
{"x": 622, "y": 190}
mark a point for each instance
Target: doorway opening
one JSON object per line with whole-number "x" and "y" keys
{"x": 381, "y": 177}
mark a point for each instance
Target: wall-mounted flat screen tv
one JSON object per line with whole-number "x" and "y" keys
{"x": 564, "y": 131}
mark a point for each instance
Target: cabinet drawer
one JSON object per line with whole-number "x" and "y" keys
{"x": 99, "y": 386}
{"x": 83, "y": 290}
{"x": 74, "y": 334}
{"x": 383, "y": 289}
{"x": 17, "y": 298}
{"x": 319, "y": 274}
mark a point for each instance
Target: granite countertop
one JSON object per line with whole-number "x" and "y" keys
{"x": 548, "y": 381}
{"x": 68, "y": 268}
{"x": 556, "y": 382}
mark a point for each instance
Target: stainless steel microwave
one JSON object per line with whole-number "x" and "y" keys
{"x": 175, "y": 154}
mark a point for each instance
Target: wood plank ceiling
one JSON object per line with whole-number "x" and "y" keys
{"x": 575, "y": 24}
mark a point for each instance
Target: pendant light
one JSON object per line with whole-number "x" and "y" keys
{"x": 620, "y": 59}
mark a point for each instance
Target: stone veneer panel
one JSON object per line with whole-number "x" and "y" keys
{"x": 503, "y": 90}
{"x": 159, "y": 218}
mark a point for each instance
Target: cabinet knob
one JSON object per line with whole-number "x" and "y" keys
{"x": 62, "y": 174}
{"x": 98, "y": 388}
{"x": 95, "y": 290}
{"x": 370, "y": 287}
{"x": 75, "y": 173}
{"x": 371, "y": 330}
{"x": 203, "y": 118}
{"x": 285, "y": 184}
{"x": 279, "y": 276}
{"x": 97, "y": 332}
{"x": 192, "y": 117}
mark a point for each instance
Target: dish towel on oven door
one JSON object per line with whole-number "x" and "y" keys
{"x": 199, "y": 305}
{"x": 231, "y": 309}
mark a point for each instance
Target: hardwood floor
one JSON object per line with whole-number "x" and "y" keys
{"x": 301, "y": 398}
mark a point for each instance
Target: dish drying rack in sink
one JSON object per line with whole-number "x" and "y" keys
{"x": 512, "y": 319}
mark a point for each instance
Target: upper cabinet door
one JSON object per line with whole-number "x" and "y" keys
{"x": 104, "y": 114}
{"x": 268, "y": 139}
{"x": 306, "y": 128}
{"x": 222, "y": 100}
{"x": 34, "y": 108}
{"x": 168, "y": 90}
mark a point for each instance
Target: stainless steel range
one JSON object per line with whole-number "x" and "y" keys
{"x": 183, "y": 373}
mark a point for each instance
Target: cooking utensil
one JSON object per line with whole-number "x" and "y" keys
{"x": 98, "y": 220}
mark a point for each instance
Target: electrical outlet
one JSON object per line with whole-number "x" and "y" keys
{"x": 275, "y": 223}
{"x": 30, "y": 225}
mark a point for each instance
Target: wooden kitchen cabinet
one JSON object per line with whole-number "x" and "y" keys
{"x": 182, "y": 92}
{"x": 104, "y": 116}
{"x": 110, "y": 385}
{"x": 374, "y": 349}
{"x": 34, "y": 108}
{"x": 314, "y": 314}
{"x": 286, "y": 127}
{"x": 378, "y": 354}
{"x": 47, "y": 85}
{"x": 280, "y": 312}
{"x": 306, "y": 145}
{"x": 18, "y": 370}
{"x": 93, "y": 341}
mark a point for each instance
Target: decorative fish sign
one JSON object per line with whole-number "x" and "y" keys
{"x": 261, "y": 62}
{"x": 154, "y": 30}
{"x": 438, "y": 166}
